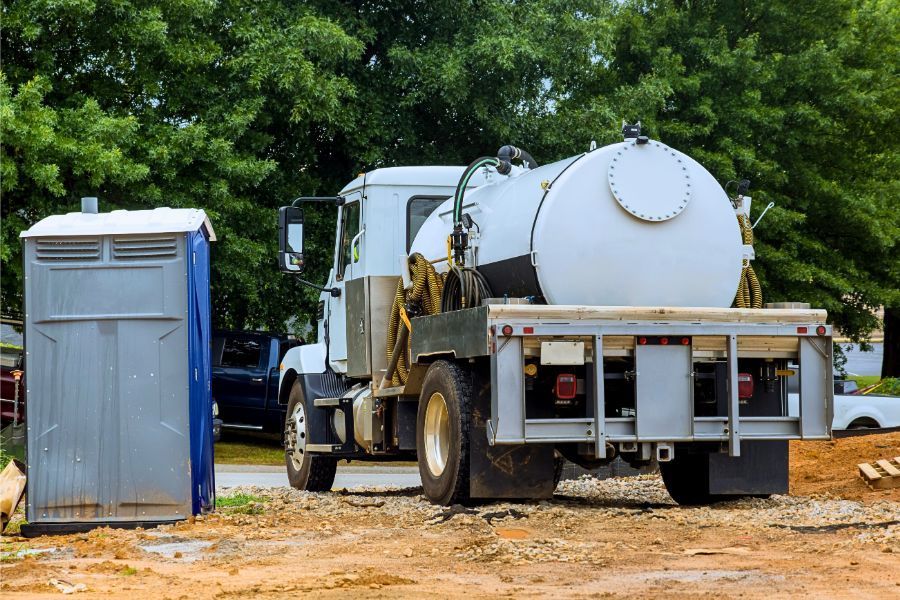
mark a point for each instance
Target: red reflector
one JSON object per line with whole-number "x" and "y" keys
{"x": 642, "y": 341}
{"x": 566, "y": 386}
{"x": 745, "y": 386}
{"x": 685, "y": 341}
{"x": 507, "y": 330}
{"x": 528, "y": 330}
{"x": 802, "y": 330}
{"x": 664, "y": 341}
{"x": 820, "y": 330}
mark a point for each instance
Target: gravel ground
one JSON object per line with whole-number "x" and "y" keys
{"x": 614, "y": 538}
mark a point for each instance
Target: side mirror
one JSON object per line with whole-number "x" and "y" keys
{"x": 290, "y": 239}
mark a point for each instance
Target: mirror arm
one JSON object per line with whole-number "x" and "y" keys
{"x": 336, "y": 200}
{"x": 335, "y": 292}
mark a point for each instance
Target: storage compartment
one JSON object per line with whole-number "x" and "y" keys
{"x": 369, "y": 301}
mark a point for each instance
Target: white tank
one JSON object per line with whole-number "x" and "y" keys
{"x": 624, "y": 225}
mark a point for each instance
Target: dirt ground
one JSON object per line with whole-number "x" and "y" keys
{"x": 618, "y": 538}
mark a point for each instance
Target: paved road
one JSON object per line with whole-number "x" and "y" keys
{"x": 350, "y": 476}
{"x": 863, "y": 363}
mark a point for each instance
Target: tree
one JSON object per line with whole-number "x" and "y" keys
{"x": 801, "y": 97}
{"x": 147, "y": 104}
{"x": 238, "y": 107}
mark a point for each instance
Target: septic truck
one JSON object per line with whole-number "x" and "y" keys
{"x": 493, "y": 320}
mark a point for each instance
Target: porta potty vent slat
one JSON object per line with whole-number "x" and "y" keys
{"x": 143, "y": 248}
{"x": 68, "y": 249}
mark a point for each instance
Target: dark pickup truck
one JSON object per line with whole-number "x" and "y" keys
{"x": 245, "y": 379}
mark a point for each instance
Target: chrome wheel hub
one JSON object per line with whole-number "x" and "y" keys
{"x": 437, "y": 434}
{"x": 295, "y": 435}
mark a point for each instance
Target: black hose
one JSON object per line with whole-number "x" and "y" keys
{"x": 464, "y": 288}
{"x": 507, "y": 154}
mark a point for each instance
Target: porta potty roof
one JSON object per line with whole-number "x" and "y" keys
{"x": 158, "y": 220}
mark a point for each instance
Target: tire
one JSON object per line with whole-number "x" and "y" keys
{"x": 442, "y": 433}
{"x": 305, "y": 471}
{"x": 687, "y": 479}
{"x": 558, "y": 464}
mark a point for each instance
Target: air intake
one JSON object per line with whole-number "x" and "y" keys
{"x": 76, "y": 249}
{"x": 142, "y": 248}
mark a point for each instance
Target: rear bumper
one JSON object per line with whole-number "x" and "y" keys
{"x": 663, "y": 378}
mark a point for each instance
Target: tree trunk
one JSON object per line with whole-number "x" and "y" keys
{"x": 890, "y": 363}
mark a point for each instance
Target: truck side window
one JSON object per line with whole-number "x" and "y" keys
{"x": 242, "y": 353}
{"x": 218, "y": 345}
{"x": 417, "y": 210}
{"x": 349, "y": 228}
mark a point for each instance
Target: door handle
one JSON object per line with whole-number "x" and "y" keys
{"x": 257, "y": 379}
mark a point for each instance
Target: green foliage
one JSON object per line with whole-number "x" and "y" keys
{"x": 249, "y": 452}
{"x": 237, "y": 107}
{"x": 802, "y": 98}
{"x": 889, "y": 386}
{"x": 237, "y": 500}
{"x": 241, "y": 504}
{"x": 174, "y": 103}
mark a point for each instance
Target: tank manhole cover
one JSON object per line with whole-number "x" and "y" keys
{"x": 651, "y": 181}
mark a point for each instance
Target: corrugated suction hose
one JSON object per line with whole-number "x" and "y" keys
{"x": 422, "y": 298}
{"x": 749, "y": 292}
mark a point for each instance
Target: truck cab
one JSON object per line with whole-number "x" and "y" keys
{"x": 379, "y": 214}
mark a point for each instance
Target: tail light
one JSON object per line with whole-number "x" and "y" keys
{"x": 745, "y": 386}
{"x": 566, "y": 386}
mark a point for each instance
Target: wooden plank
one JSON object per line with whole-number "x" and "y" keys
{"x": 662, "y": 313}
{"x": 889, "y": 468}
{"x": 868, "y": 472}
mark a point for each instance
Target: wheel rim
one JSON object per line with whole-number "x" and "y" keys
{"x": 437, "y": 434}
{"x": 295, "y": 435}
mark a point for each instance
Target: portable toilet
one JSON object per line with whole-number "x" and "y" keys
{"x": 117, "y": 369}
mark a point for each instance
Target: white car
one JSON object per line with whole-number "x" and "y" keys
{"x": 854, "y": 411}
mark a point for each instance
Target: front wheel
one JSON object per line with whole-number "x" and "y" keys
{"x": 305, "y": 471}
{"x": 442, "y": 433}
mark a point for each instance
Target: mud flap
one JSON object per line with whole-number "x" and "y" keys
{"x": 507, "y": 471}
{"x": 762, "y": 468}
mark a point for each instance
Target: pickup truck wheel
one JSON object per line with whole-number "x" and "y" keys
{"x": 305, "y": 471}
{"x": 442, "y": 433}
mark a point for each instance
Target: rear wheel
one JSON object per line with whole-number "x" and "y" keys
{"x": 442, "y": 433}
{"x": 305, "y": 471}
{"x": 687, "y": 479}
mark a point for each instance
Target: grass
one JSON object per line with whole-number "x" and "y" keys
{"x": 864, "y": 380}
{"x": 241, "y": 504}
{"x": 236, "y": 500}
{"x": 128, "y": 571}
{"x": 244, "y": 452}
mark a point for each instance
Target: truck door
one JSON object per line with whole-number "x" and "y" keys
{"x": 240, "y": 379}
{"x": 347, "y": 259}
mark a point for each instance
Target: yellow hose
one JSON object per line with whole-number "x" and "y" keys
{"x": 749, "y": 292}
{"x": 425, "y": 296}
